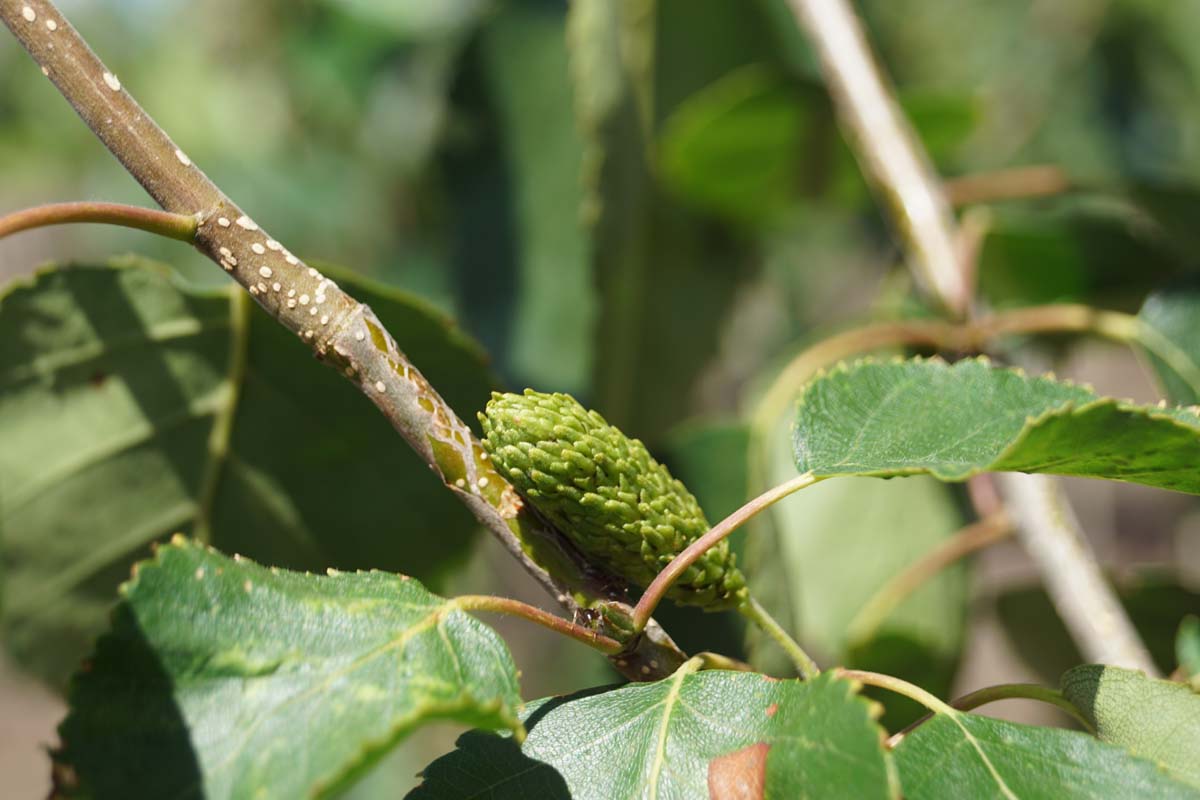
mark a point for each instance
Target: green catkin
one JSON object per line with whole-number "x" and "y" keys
{"x": 605, "y": 492}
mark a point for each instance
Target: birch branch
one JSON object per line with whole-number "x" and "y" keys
{"x": 886, "y": 147}
{"x": 341, "y": 331}
{"x": 894, "y": 159}
{"x": 1049, "y": 530}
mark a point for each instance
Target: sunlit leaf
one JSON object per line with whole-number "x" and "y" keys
{"x": 221, "y": 678}
{"x": 685, "y": 736}
{"x": 955, "y": 421}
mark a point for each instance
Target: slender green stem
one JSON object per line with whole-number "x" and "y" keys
{"x": 164, "y": 223}
{"x": 515, "y": 608}
{"x": 717, "y": 661}
{"x": 970, "y": 539}
{"x": 663, "y": 581}
{"x": 1021, "y": 691}
{"x": 753, "y": 611}
{"x": 899, "y": 686}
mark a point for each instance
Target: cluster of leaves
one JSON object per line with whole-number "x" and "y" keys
{"x": 213, "y": 664}
{"x": 724, "y": 221}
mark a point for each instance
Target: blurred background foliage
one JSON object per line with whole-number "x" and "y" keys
{"x": 648, "y": 203}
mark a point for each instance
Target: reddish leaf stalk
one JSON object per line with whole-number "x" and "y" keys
{"x": 163, "y": 223}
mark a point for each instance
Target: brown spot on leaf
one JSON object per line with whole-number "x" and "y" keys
{"x": 739, "y": 775}
{"x": 97, "y": 379}
{"x": 771, "y": 709}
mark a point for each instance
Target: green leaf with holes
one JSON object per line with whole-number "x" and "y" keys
{"x": 1157, "y": 720}
{"x": 955, "y": 421}
{"x": 1171, "y": 337}
{"x": 133, "y": 407}
{"x": 703, "y": 734}
{"x": 968, "y": 755}
{"x": 221, "y": 678}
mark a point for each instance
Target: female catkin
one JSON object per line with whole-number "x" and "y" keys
{"x": 604, "y": 491}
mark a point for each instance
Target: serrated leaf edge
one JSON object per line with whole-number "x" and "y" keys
{"x": 1031, "y": 423}
{"x": 370, "y": 749}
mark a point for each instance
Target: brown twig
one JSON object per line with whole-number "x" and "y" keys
{"x": 1015, "y": 183}
{"x": 339, "y": 330}
{"x": 894, "y": 159}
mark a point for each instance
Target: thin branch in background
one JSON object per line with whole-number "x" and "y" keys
{"x": 340, "y": 331}
{"x": 888, "y": 598}
{"x": 1015, "y": 183}
{"x": 173, "y": 226}
{"x": 984, "y": 496}
{"x": 1050, "y": 532}
{"x": 894, "y": 159}
{"x": 883, "y": 141}
{"x": 968, "y": 244}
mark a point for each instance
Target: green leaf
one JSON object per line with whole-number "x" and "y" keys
{"x": 680, "y": 737}
{"x": 827, "y": 552}
{"x": 1187, "y": 649}
{"x": 116, "y": 384}
{"x": 735, "y": 146}
{"x": 221, "y": 678}
{"x": 1173, "y": 320}
{"x": 1156, "y": 720}
{"x": 955, "y": 421}
{"x": 967, "y": 755}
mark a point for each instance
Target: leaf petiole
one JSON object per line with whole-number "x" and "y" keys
{"x": 515, "y": 608}
{"x": 181, "y": 227}
{"x": 662, "y": 582}
{"x": 1022, "y": 691}
{"x": 753, "y": 611}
